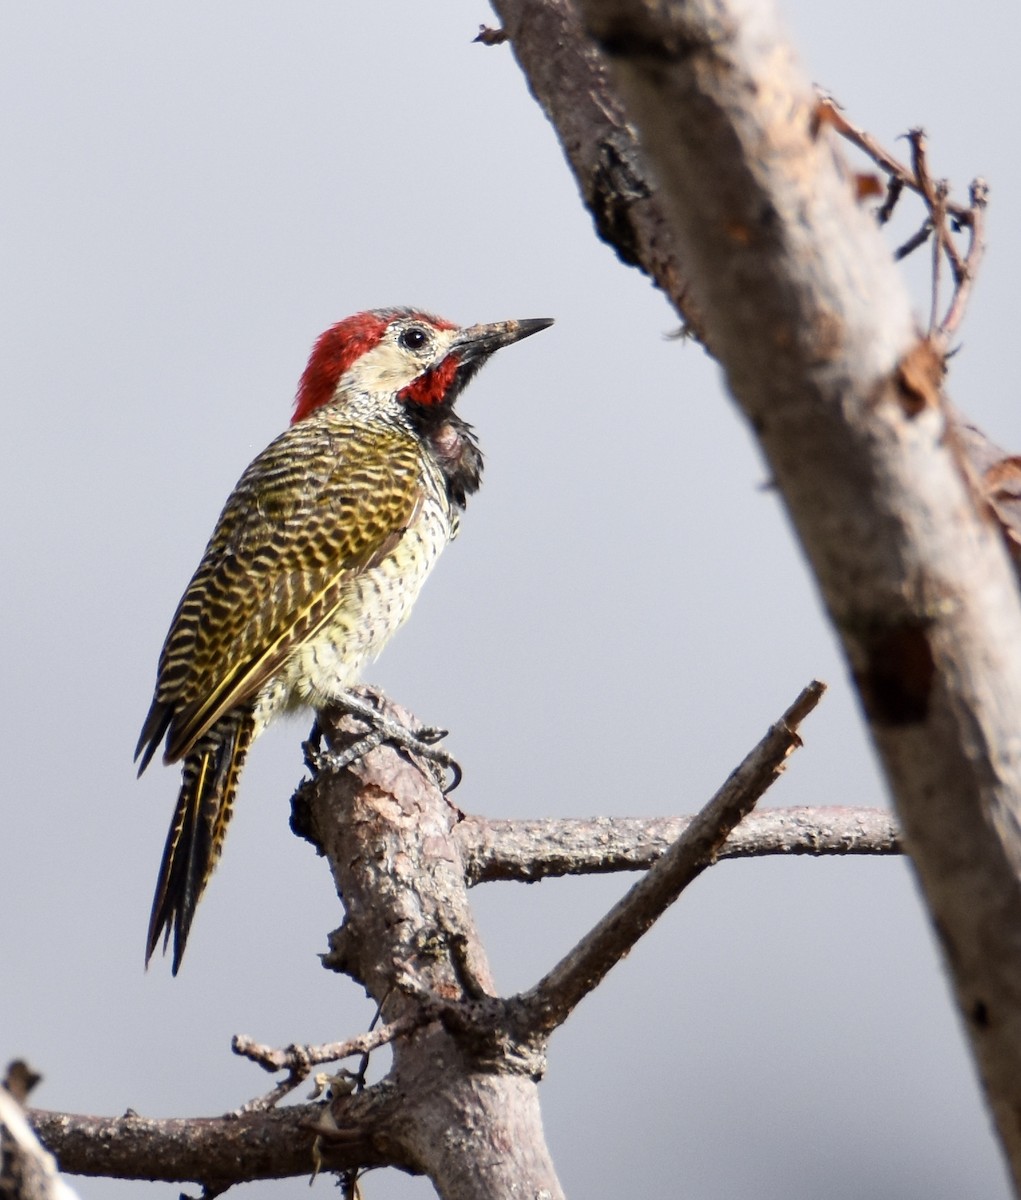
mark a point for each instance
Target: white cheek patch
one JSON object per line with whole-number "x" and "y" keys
{"x": 389, "y": 368}
{"x": 384, "y": 369}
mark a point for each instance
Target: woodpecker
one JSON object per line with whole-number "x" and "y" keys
{"x": 315, "y": 561}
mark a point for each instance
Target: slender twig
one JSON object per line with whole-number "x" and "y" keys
{"x": 553, "y": 998}
{"x": 917, "y": 239}
{"x": 298, "y": 1060}
{"x": 938, "y": 245}
{"x": 935, "y": 197}
{"x": 946, "y": 233}
{"x": 979, "y": 195}
{"x": 920, "y": 164}
{"x": 936, "y": 193}
{"x": 894, "y": 190}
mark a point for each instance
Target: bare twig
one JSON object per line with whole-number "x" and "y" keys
{"x": 553, "y": 998}
{"x": 894, "y": 189}
{"x": 934, "y": 193}
{"x": 892, "y": 166}
{"x": 945, "y": 217}
{"x": 965, "y": 278}
{"x": 298, "y": 1060}
{"x": 919, "y": 238}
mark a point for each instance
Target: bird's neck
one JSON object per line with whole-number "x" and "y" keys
{"x": 452, "y": 443}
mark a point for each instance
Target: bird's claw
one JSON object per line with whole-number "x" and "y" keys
{"x": 312, "y": 749}
{"x": 421, "y": 742}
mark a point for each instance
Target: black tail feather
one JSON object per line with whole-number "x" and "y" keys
{"x": 156, "y": 725}
{"x": 204, "y": 806}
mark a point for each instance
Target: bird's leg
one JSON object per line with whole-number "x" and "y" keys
{"x": 420, "y": 742}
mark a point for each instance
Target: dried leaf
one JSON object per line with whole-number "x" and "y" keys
{"x": 868, "y": 184}
{"x": 919, "y": 376}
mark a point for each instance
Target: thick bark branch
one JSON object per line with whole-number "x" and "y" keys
{"x": 527, "y": 851}
{"x": 804, "y": 309}
{"x": 213, "y": 1151}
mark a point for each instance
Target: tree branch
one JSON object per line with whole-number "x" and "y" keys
{"x": 527, "y": 851}
{"x": 298, "y": 1061}
{"x": 465, "y": 1063}
{"x": 213, "y": 1151}
{"x": 802, "y": 305}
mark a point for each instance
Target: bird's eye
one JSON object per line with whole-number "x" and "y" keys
{"x": 413, "y": 338}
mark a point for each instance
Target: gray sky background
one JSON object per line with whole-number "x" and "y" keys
{"x": 190, "y": 194}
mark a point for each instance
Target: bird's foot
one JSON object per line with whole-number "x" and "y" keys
{"x": 421, "y": 742}
{"x": 312, "y": 748}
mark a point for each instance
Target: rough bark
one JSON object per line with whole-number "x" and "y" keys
{"x": 802, "y": 305}
{"x": 213, "y": 1151}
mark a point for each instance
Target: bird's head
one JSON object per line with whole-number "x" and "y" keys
{"x": 422, "y": 361}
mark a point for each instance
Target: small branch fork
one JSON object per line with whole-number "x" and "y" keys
{"x": 299, "y": 1060}
{"x": 944, "y": 219}
{"x": 996, "y": 474}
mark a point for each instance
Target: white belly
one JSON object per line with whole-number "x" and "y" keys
{"x": 372, "y": 607}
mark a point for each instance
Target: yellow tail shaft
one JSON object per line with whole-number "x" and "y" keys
{"x": 204, "y": 806}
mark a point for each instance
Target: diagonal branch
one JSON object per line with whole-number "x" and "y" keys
{"x": 804, "y": 308}
{"x": 549, "y": 1003}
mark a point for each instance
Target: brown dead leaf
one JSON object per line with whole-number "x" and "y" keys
{"x": 919, "y": 376}
{"x": 866, "y": 185}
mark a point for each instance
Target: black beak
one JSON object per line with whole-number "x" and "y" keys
{"x": 479, "y": 341}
